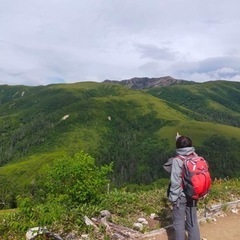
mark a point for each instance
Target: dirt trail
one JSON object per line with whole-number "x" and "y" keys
{"x": 225, "y": 228}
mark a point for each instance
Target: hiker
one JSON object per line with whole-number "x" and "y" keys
{"x": 184, "y": 209}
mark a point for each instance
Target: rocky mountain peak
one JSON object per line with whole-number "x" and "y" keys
{"x": 145, "y": 82}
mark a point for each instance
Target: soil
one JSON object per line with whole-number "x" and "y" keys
{"x": 225, "y": 227}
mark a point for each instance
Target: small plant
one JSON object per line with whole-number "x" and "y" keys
{"x": 126, "y": 207}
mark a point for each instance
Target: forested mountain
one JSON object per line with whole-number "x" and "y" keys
{"x": 217, "y": 101}
{"x": 133, "y": 129}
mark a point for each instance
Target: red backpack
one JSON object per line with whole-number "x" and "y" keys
{"x": 196, "y": 176}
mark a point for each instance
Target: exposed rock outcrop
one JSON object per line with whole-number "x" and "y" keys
{"x": 145, "y": 82}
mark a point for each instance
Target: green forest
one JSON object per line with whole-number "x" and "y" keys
{"x": 134, "y": 130}
{"x": 115, "y": 135}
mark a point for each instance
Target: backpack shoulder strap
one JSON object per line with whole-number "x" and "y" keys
{"x": 185, "y": 157}
{"x": 181, "y": 157}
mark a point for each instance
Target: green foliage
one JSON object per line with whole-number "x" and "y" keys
{"x": 74, "y": 180}
{"x": 71, "y": 184}
{"x": 134, "y": 148}
{"x": 126, "y": 207}
{"x": 223, "y": 190}
{"x": 72, "y": 187}
{"x": 131, "y": 131}
{"x": 212, "y": 101}
{"x": 222, "y": 154}
{"x": 134, "y": 130}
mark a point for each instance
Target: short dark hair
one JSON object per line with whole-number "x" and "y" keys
{"x": 183, "y": 142}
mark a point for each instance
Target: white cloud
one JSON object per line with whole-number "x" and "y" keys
{"x": 154, "y": 52}
{"x": 46, "y": 41}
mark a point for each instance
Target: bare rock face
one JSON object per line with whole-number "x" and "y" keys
{"x": 142, "y": 83}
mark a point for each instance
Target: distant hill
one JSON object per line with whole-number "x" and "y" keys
{"x": 143, "y": 83}
{"x": 134, "y": 129}
{"x": 214, "y": 101}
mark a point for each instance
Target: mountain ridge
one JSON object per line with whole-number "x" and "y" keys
{"x": 145, "y": 82}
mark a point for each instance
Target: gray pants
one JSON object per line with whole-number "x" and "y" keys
{"x": 185, "y": 218}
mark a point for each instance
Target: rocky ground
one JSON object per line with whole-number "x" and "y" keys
{"x": 225, "y": 226}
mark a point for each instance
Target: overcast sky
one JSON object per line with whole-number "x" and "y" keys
{"x": 64, "y": 41}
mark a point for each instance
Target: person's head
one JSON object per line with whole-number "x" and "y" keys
{"x": 183, "y": 141}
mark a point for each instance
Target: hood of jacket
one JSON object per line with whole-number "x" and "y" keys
{"x": 185, "y": 151}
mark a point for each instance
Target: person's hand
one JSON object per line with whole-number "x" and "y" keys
{"x": 177, "y": 136}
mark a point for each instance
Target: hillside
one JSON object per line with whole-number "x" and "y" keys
{"x": 217, "y": 101}
{"x": 134, "y": 129}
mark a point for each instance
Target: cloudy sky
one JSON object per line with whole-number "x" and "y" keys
{"x": 64, "y": 41}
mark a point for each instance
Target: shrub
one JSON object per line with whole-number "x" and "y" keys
{"x": 76, "y": 178}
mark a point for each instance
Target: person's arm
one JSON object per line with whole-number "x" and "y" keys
{"x": 176, "y": 180}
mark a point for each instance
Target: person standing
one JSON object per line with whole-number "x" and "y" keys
{"x": 184, "y": 209}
